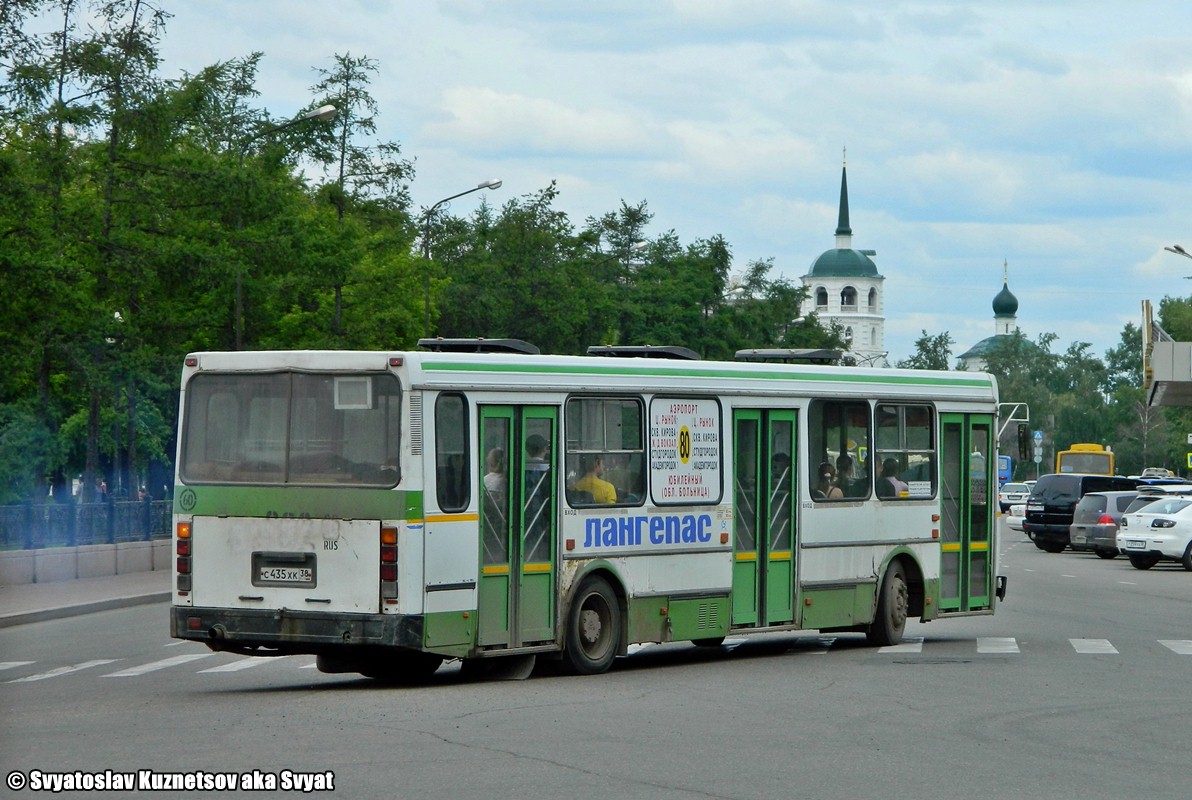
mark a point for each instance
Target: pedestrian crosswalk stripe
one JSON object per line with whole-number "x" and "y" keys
{"x": 236, "y": 666}
{"x": 1181, "y": 646}
{"x": 911, "y": 644}
{"x": 1092, "y": 646}
{"x": 54, "y": 673}
{"x": 11, "y": 664}
{"x": 996, "y": 644}
{"x": 156, "y": 665}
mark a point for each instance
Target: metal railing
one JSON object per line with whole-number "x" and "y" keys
{"x": 33, "y": 526}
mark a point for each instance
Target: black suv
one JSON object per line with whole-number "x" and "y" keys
{"x": 1053, "y": 500}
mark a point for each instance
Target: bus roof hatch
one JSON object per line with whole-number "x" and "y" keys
{"x": 478, "y": 345}
{"x": 643, "y": 351}
{"x": 791, "y": 355}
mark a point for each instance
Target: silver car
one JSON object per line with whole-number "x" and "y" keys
{"x": 1095, "y": 521}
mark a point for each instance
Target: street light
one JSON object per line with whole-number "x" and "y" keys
{"x": 1179, "y": 250}
{"x": 492, "y": 183}
{"x": 320, "y": 114}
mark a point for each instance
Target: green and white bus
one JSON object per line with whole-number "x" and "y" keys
{"x": 387, "y": 511}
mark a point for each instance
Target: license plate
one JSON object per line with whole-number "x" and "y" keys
{"x": 286, "y": 574}
{"x": 284, "y": 569}
{"x": 1034, "y": 507}
{"x": 1135, "y": 544}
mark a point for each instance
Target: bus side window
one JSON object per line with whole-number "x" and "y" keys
{"x": 838, "y": 445}
{"x": 452, "y": 470}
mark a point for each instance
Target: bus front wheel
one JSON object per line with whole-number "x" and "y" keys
{"x": 892, "y": 603}
{"x": 593, "y": 628}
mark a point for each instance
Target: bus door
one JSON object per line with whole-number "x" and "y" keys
{"x": 516, "y": 605}
{"x": 967, "y": 495}
{"x": 764, "y": 519}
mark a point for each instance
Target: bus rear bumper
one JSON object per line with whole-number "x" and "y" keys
{"x": 284, "y": 632}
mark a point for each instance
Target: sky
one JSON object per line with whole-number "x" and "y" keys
{"x": 1049, "y": 138}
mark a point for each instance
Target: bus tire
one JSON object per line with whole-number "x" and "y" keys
{"x": 890, "y": 620}
{"x": 593, "y": 628}
{"x": 714, "y": 641}
{"x": 405, "y": 668}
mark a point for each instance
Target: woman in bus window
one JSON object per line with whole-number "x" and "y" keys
{"x": 825, "y": 487}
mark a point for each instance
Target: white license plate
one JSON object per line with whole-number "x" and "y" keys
{"x": 287, "y": 574}
{"x": 1135, "y": 544}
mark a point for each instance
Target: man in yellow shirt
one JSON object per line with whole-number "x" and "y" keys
{"x": 603, "y": 492}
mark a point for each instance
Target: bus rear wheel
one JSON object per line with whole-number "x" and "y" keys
{"x": 892, "y": 603}
{"x": 401, "y": 669}
{"x": 593, "y": 628}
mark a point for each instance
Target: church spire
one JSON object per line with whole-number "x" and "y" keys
{"x": 843, "y": 231}
{"x": 842, "y": 226}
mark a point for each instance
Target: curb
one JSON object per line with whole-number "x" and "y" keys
{"x": 44, "y": 614}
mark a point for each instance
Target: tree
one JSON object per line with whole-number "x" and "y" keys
{"x": 931, "y": 352}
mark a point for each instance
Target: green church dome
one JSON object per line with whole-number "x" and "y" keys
{"x": 843, "y": 264}
{"x": 1005, "y": 304}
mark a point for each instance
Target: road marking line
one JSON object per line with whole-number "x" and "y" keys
{"x": 997, "y": 644}
{"x": 1181, "y": 646}
{"x": 1096, "y": 646}
{"x": 153, "y": 666}
{"x": 236, "y": 666}
{"x": 822, "y": 644}
{"x": 912, "y": 644}
{"x": 11, "y": 664}
{"x": 54, "y": 673}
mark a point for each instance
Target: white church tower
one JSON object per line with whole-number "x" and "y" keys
{"x": 845, "y": 287}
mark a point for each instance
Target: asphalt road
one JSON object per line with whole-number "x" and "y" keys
{"x": 1079, "y": 687}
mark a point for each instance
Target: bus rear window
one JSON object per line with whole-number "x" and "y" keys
{"x": 292, "y": 428}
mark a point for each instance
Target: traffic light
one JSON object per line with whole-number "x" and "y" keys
{"x": 1024, "y": 442}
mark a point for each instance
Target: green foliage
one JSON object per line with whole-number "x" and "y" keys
{"x": 143, "y": 218}
{"x": 931, "y": 352}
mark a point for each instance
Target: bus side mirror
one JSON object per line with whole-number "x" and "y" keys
{"x": 1024, "y": 442}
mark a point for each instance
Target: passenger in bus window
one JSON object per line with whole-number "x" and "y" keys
{"x": 494, "y": 480}
{"x": 592, "y": 467}
{"x": 844, "y": 477}
{"x": 889, "y": 484}
{"x": 825, "y": 487}
{"x": 536, "y": 453}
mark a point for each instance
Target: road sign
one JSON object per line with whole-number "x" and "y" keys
{"x": 1038, "y": 436}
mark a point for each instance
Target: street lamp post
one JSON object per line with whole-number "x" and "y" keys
{"x": 492, "y": 183}
{"x": 1179, "y": 251}
{"x": 320, "y": 114}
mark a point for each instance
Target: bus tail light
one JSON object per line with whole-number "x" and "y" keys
{"x": 182, "y": 549}
{"x": 389, "y": 565}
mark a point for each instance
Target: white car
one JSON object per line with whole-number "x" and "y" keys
{"x": 1011, "y": 493}
{"x": 1158, "y": 531}
{"x": 1015, "y": 516}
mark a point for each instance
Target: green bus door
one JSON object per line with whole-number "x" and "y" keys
{"x": 518, "y": 446}
{"x": 764, "y": 519}
{"x": 967, "y": 494}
